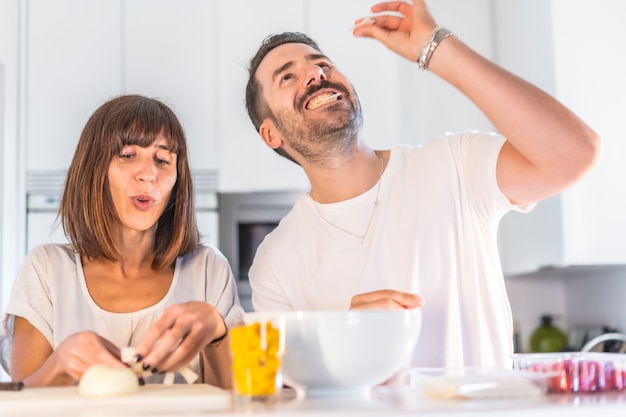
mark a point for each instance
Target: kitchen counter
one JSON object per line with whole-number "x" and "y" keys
{"x": 384, "y": 401}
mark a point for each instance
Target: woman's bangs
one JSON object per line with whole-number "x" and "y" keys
{"x": 145, "y": 130}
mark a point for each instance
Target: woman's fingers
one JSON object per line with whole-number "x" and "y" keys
{"x": 177, "y": 337}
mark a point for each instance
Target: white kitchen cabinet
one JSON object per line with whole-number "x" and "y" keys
{"x": 246, "y": 164}
{"x": 72, "y": 66}
{"x": 81, "y": 54}
{"x": 169, "y": 53}
{"x": 584, "y": 225}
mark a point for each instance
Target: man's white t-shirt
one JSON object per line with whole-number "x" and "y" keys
{"x": 434, "y": 232}
{"x": 50, "y": 292}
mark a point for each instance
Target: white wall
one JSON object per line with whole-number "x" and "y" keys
{"x": 531, "y": 297}
{"x": 9, "y": 155}
{"x": 598, "y": 299}
{"x": 585, "y": 295}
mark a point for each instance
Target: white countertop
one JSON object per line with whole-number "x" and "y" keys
{"x": 384, "y": 401}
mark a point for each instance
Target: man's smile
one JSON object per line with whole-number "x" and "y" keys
{"x": 322, "y": 99}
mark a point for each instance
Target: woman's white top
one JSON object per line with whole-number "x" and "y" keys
{"x": 51, "y": 293}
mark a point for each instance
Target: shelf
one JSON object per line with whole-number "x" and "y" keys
{"x": 571, "y": 271}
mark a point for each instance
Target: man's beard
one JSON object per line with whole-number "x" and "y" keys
{"x": 315, "y": 138}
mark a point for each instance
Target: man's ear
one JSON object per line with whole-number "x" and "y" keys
{"x": 270, "y": 134}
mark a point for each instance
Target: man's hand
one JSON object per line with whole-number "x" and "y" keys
{"x": 402, "y": 27}
{"x": 387, "y": 300}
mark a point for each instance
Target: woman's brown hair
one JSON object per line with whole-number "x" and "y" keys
{"x": 87, "y": 212}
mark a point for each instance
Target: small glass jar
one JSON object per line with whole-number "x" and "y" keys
{"x": 257, "y": 348}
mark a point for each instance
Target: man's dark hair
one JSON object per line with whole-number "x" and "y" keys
{"x": 256, "y": 107}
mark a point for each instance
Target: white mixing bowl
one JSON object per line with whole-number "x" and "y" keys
{"x": 345, "y": 352}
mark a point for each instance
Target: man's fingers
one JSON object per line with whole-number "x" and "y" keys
{"x": 386, "y": 299}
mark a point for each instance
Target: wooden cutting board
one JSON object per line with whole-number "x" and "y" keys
{"x": 150, "y": 397}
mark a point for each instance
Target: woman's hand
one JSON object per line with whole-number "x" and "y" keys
{"x": 34, "y": 362}
{"x": 402, "y": 27}
{"x": 387, "y": 300}
{"x": 179, "y": 335}
{"x": 82, "y": 350}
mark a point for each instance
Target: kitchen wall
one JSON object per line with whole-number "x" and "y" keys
{"x": 598, "y": 298}
{"x": 587, "y": 296}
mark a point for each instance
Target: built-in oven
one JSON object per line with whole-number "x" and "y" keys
{"x": 245, "y": 220}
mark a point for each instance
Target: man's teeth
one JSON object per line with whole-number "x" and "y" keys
{"x": 323, "y": 99}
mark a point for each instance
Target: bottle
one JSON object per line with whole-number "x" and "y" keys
{"x": 547, "y": 337}
{"x": 517, "y": 346}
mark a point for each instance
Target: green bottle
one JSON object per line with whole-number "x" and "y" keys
{"x": 547, "y": 337}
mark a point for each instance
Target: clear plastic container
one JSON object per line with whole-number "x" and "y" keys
{"x": 577, "y": 371}
{"x": 476, "y": 383}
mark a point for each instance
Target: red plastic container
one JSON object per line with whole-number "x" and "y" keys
{"x": 577, "y": 371}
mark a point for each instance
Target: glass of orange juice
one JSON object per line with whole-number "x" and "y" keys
{"x": 257, "y": 347}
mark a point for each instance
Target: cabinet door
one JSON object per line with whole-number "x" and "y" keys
{"x": 595, "y": 89}
{"x": 169, "y": 54}
{"x": 72, "y": 67}
{"x": 245, "y": 162}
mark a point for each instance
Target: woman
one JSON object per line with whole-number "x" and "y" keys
{"x": 135, "y": 273}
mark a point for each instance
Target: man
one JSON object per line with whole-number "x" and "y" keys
{"x": 408, "y": 226}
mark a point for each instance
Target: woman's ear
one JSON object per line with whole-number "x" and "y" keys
{"x": 270, "y": 134}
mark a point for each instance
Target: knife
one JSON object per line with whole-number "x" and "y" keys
{"x": 11, "y": 386}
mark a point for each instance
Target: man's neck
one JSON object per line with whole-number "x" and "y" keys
{"x": 347, "y": 177}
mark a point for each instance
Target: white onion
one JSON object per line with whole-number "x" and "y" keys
{"x": 104, "y": 381}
